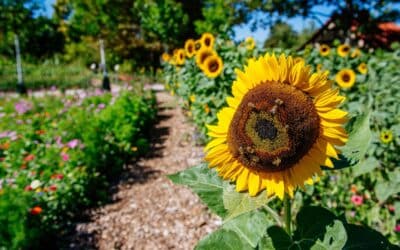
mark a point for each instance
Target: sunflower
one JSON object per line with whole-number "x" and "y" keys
{"x": 324, "y": 50}
{"x": 180, "y": 57}
{"x": 356, "y": 53}
{"x": 362, "y": 68}
{"x": 343, "y": 50}
{"x": 280, "y": 126}
{"x": 386, "y": 136}
{"x": 165, "y": 57}
{"x": 202, "y": 55}
{"x": 190, "y": 48}
{"x": 345, "y": 78}
{"x": 207, "y": 40}
{"x": 213, "y": 66}
{"x": 250, "y": 43}
{"x": 192, "y": 98}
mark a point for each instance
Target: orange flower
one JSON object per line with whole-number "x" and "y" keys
{"x": 353, "y": 189}
{"x": 40, "y": 132}
{"x": 29, "y": 157}
{"x": 5, "y": 146}
{"x": 36, "y": 210}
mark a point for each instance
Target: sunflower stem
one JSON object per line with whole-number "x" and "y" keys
{"x": 287, "y": 214}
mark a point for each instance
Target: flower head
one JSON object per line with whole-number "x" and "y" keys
{"x": 202, "y": 55}
{"x": 36, "y": 210}
{"x": 279, "y": 128}
{"x": 386, "y": 136}
{"x": 324, "y": 50}
{"x": 343, "y": 50}
{"x": 180, "y": 57}
{"x": 165, "y": 57}
{"x": 356, "y": 53}
{"x": 73, "y": 143}
{"x": 362, "y": 68}
{"x": 190, "y": 48}
{"x": 213, "y": 66}
{"x": 345, "y": 78}
{"x": 250, "y": 43}
{"x": 397, "y": 228}
{"x": 207, "y": 40}
{"x": 357, "y": 200}
{"x": 22, "y": 107}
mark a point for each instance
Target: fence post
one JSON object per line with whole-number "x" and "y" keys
{"x": 106, "y": 79}
{"x": 21, "y": 89}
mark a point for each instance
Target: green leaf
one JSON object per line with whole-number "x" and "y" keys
{"x": 249, "y": 226}
{"x": 335, "y": 238}
{"x": 280, "y": 239}
{"x": 360, "y": 137}
{"x": 239, "y": 203}
{"x": 360, "y": 237}
{"x": 365, "y": 166}
{"x": 222, "y": 239}
{"x": 207, "y": 185}
{"x": 386, "y": 188}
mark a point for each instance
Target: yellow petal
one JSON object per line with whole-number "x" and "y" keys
{"x": 254, "y": 183}
{"x": 242, "y": 181}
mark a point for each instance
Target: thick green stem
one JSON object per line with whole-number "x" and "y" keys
{"x": 287, "y": 214}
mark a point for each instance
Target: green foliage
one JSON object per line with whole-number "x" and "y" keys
{"x": 45, "y": 75}
{"x": 59, "y": 154}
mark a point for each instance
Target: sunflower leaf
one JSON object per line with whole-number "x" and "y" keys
{"x": 242, "y": 232}
{"x": 335, "y": 237}
{"x": 206, "y": 184}
{"x": 238, "y": 203}
{"x": 360, "y": 138}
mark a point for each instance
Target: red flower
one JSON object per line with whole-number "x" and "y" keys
{"x": 36, "y": 210}
{"x": 357, "y": 200}
{"x": 53, "y": 188}
{"x": 397, "y": 228}
{"x": 29, "y": 157}
{"x": 57, "y": 176}
{"x": 28, "y": 188}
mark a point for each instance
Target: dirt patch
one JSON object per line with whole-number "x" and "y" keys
{"x": 149, "y": 211}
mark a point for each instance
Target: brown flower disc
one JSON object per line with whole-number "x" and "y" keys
{"x": 274, "y": 126}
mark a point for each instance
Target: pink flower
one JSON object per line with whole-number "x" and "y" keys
{"x": 73, "y": 143}
{"x": 64, "y": 156}
{"x": 397, "y": 228}
{"x": 357, "y": 200}
{"x": 22, "y": 107}
{"x": 101, "y": 106}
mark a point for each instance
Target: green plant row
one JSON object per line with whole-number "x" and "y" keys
{"x": 57, "y": 156}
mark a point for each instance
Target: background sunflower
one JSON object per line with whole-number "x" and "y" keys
{"x": 345, "y": 78}
{"x": 343, "y": 50}
{"x": 213, "y": 66}
{"x": 324, "y": 50}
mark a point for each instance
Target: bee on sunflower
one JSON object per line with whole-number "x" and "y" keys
{"x": 281, "y": 124}
{"x": 345, "y": 78}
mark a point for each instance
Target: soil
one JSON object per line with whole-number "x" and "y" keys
{"x": 147, "y": 210}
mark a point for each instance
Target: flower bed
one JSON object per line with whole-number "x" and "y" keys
{"x": 58, "y": 154}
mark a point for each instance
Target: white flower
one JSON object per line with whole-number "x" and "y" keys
{"x": 35, "y": 184}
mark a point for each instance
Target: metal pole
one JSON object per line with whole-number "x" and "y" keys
{"x": 106, "y": 79}
{"x": 21, "y": 89}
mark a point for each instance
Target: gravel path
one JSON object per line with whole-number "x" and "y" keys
{"x": 148, "y": 211}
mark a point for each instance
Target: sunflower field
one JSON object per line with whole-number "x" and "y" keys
{"x": 269, "y": 118}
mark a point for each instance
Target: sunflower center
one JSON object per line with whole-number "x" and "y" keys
{"x": 273, "y": 127}
{"x": 207, "y": 41}
{"x": 190, "y": 48}
{"x": 265, "y": 129}
{"x": 346, "y": 49}
{"x": 346, "y": 77}
{"x": 213, "y": 66}
{"x": 324, "y": 49}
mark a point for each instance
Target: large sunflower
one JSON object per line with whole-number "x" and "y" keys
{"x": 202, "y": 55}
{"x": 190, "y": 48}
{"x": 345, "y": 78}
{"x": 207, "y": 40}
{"x": 213, "y": 66}
{"x": 324, "y": 50}
{"x": 343, "y": 50}
{"x": 280, "y": 126}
